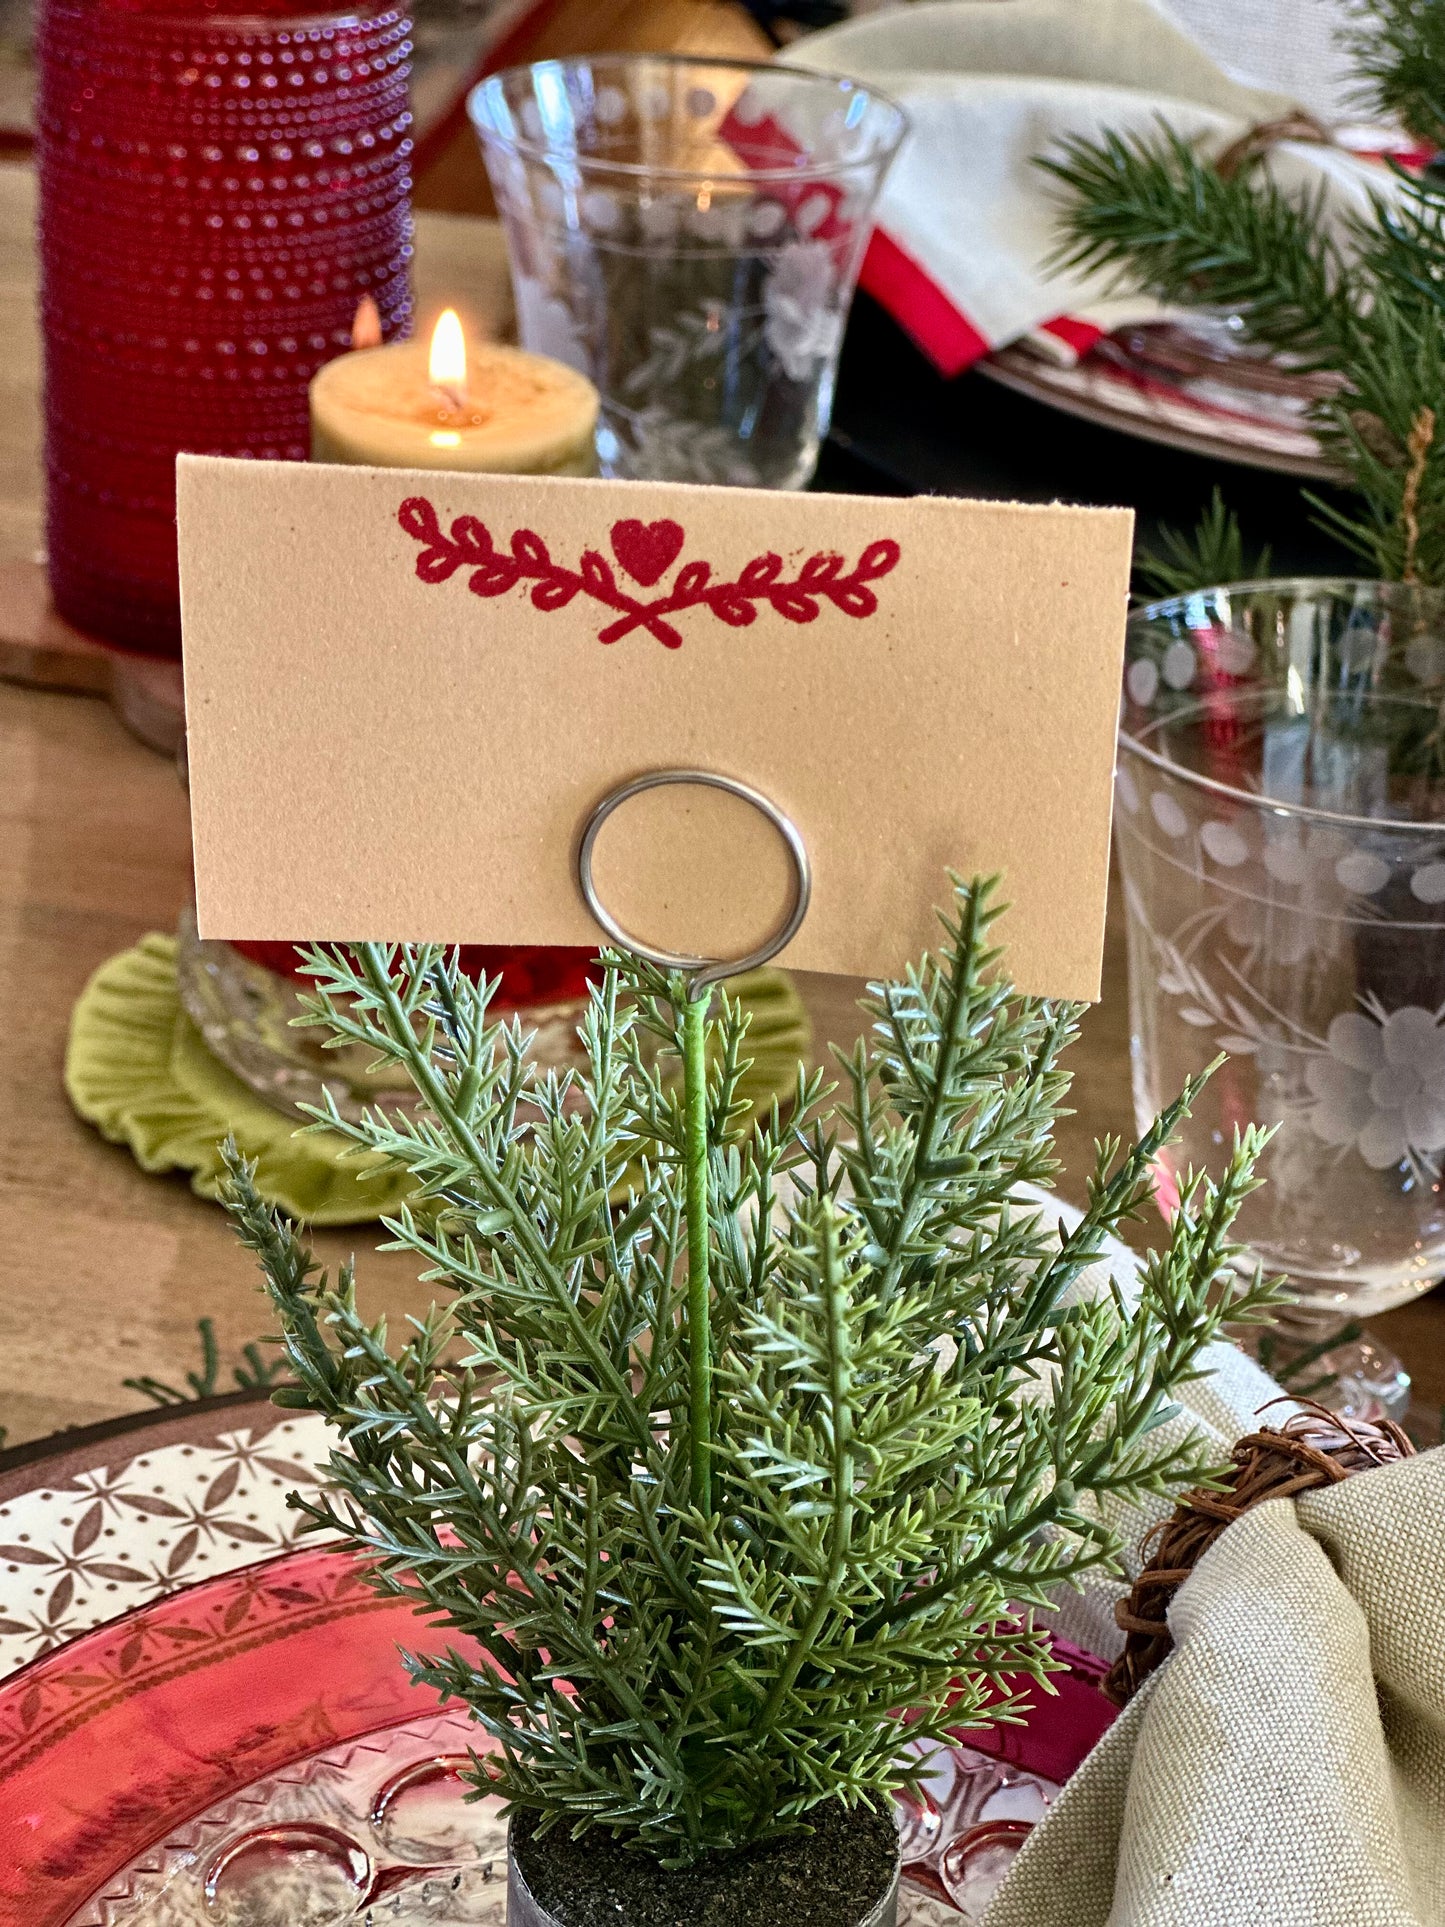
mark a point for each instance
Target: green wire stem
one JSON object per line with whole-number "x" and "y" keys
{"x": 699, "y": 1317}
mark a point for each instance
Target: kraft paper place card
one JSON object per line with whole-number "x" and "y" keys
{"x": 406, "y": 690}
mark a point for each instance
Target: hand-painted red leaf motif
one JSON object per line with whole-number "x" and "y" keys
{"x": 129, "y": 1655}
{"x": 855, "y": 601}
{"x": 30, "y": 1707}
{"x": 762, "y": 571}
{"x": 555, "y": 594}
{"x": 793, "y": 605}
{"x": 494, "y": 578}
{"x": 182, "y": 1550}
{"x": 647, "y": 550}
{"x": 437, "y": 560}
{"x": 221, "y": 1488}
{"x": 438, "y": 565}
{"x": 27, "y": 1556}
{"x": 417, "y": 516}
{"x": 878, "y": 559}
{"x": 471, "y": 535}
{"x": 734, "y": 609}
{"x": 597, "y": 576}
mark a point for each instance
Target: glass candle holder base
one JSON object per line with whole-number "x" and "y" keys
{"x": 245, "y": 1013}
{"x": 1345, "y": 1367}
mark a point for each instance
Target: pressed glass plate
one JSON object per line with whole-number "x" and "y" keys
{"x": 249, "y": 1752}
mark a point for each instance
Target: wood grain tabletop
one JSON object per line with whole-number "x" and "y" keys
{"x": 104, "y": 1270}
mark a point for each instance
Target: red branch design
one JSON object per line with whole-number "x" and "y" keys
{"x": 644, "y": 551}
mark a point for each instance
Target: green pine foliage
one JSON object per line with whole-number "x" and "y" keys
{"x": 1398, "y": 48}
{"x": 1368, "y": 304}
{"x": 908, "y": 1419}
{"x": 1198, "y": 558}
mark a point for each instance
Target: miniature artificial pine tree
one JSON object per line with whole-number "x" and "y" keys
{"x": 1369, "y": 304}
{"x": 730, "y": 1442}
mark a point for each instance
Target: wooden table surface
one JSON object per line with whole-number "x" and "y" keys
{"x": 104, "y": 1271}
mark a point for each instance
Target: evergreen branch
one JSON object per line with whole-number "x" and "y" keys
{"x": 1159, "y": 218}
{"x": 1363, "y": 298}
{"x": 1397, "y": 48}
{"x": 1211, "y": 553}
{"x": 255, "y": 1373}
{"x": 907, "y": 1411}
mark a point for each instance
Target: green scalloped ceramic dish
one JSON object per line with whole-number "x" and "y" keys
{"x": 137, "y": 1069}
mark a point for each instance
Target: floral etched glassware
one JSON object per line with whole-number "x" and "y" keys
{"x": 1281, "y": 833}
{"x": 688, "y": 233}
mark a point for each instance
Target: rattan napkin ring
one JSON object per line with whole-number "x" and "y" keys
{"x": 1314, "y": 1447}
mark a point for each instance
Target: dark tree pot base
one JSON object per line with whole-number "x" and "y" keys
{"x": 843, "y": 1874}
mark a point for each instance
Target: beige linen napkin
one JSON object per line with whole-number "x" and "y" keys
{"x": 967, "y": 224}
{"x": 1286, "y": 1765}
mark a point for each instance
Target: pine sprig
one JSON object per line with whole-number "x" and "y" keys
{"x": 1157, "y": 215}
{"x": 1212, "y": 552}
{"x": 1363, "y": 296}
{"x": 1398, "y": 51}
{"x": 914, "y": 1410}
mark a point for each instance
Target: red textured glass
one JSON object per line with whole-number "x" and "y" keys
{"x": 125, "y": 1732}
{"x": 530, "y": 974}
{"x": 116, "y": 1739}
{"x": 217, "y": 192}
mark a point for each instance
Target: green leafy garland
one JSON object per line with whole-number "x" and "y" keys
{"x": 1167, "y": 220}
{"x": 727, "y": 1443}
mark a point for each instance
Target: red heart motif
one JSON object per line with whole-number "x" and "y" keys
{"x": 647, "y": 550}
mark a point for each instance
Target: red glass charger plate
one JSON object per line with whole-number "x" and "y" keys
{"x": 258, "y": 1727}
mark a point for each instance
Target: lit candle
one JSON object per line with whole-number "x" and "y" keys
{"x": 412, "y": 404}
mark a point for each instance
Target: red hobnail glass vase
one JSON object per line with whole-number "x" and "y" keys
{"x": 218, "y": 191}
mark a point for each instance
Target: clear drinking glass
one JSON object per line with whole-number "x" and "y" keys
{"x": 688, "y": 233}
{"x": 1281, "y": 833}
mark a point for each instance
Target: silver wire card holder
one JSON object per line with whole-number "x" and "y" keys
{"x": 703, "y": 972}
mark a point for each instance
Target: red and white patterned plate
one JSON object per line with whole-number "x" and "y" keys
{"x": 209, "y": 1725}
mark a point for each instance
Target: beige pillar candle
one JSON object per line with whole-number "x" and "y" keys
{"x": 449, "y": 404}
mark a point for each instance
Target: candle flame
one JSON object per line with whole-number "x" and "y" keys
{"x": 366, "y": 327}
{"x": 447, "y": 363}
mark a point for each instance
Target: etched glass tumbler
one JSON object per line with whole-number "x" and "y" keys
{"x": 1281, "y": 832}
{"x": 688, "y": 234}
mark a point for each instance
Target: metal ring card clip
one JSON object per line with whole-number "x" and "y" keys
{"x": 704, "y": 970}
